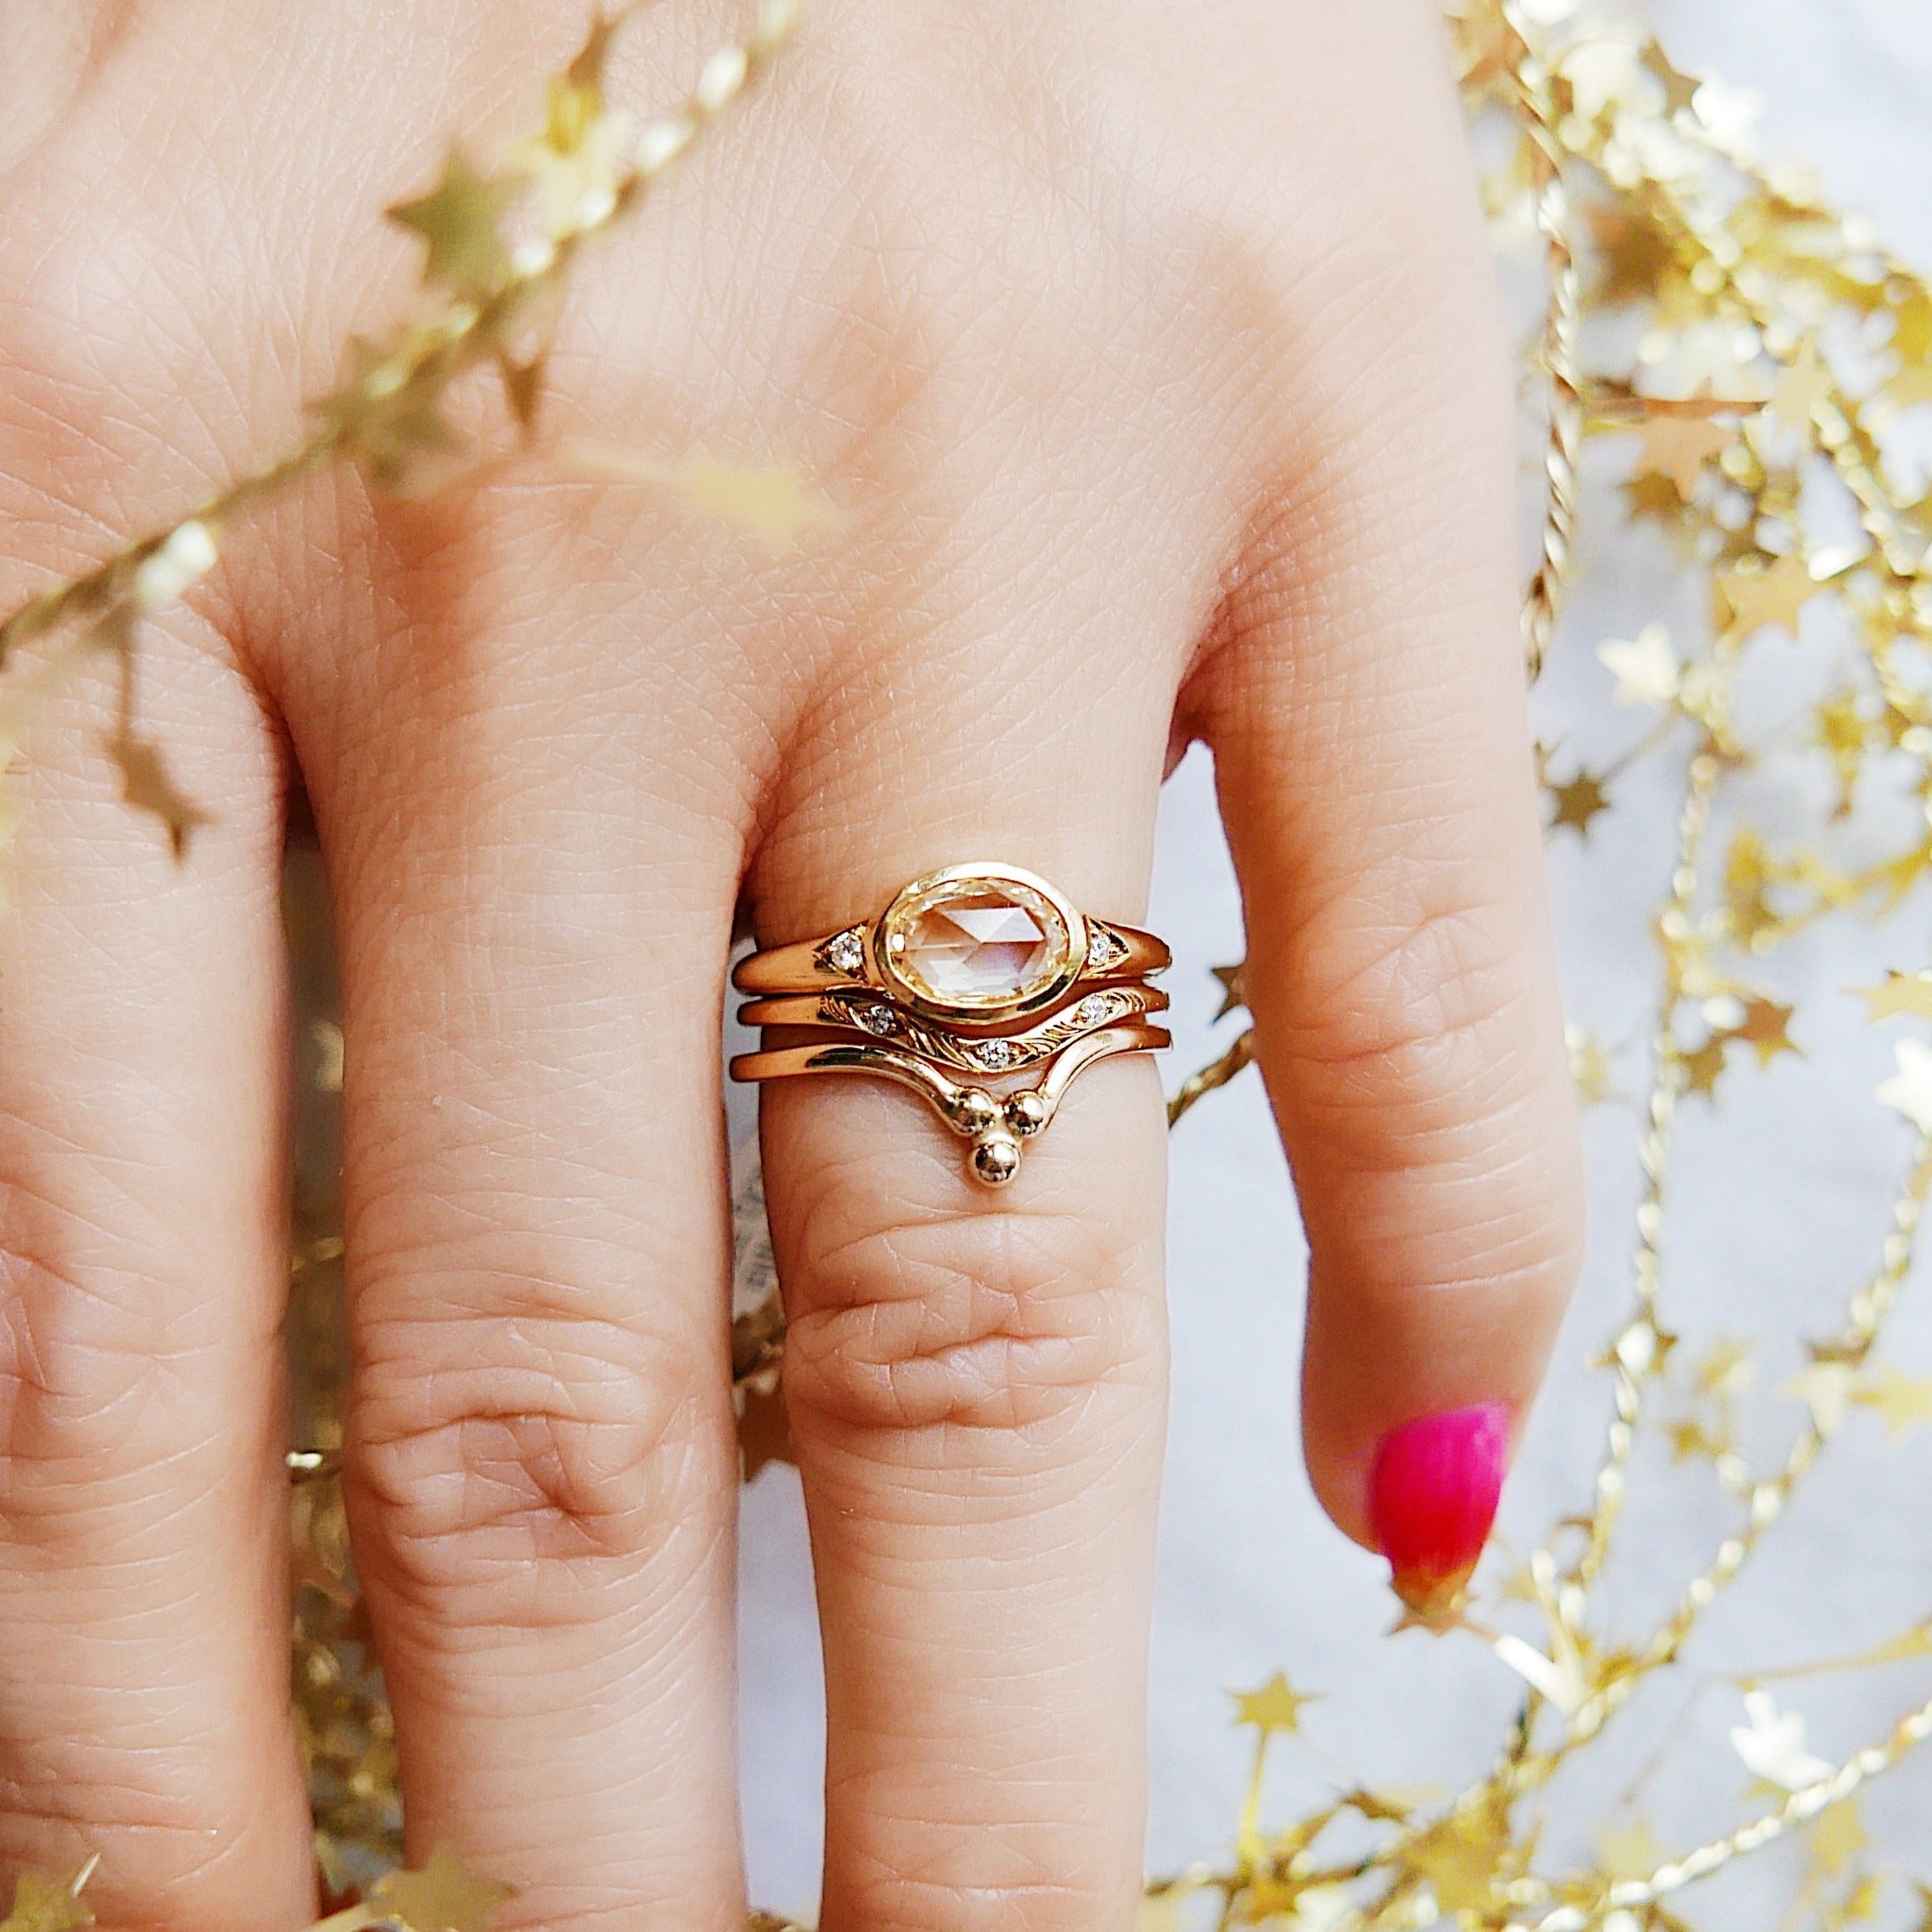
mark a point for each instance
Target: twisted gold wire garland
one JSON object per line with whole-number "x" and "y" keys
{"x": 1534, "y": 86}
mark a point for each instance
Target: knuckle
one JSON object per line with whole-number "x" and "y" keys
{"x": 1427, "y": 1053}
{"x": 912, "y": 1902}
{"x": 975, "y": 1876}
{"x": 80, "y": 1368}
{"x": 187, "y": 1829}
{"x": 1489, "y": 1247}
{"x": 1422, "y": 1020}
{"x": 486, "y": 1448}
{"x": 993, "y": 1319}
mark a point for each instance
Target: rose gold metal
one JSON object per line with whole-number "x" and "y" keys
{"x": 862, "y": 991}
{"x": 806, "y": 966}
{"x": 865, "y": 1015}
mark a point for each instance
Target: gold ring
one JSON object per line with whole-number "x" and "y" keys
{"x": 978, "y": 969}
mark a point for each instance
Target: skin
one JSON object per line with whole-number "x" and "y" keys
{"x": 1148, "y": 354}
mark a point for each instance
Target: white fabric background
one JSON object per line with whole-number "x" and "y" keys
{"x": 1773, "y": 1225}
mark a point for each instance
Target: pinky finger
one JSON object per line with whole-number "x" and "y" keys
{"x": 1371, "y": 745}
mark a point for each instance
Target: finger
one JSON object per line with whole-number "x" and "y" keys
{"x": 143, "y": 1267}
{"x": 976, "y": 1378}
{"x": 542, "y": 1467}
{"x": 1368, "y": 724}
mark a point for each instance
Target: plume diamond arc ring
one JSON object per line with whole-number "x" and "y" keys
{"x": 981, "y": 986}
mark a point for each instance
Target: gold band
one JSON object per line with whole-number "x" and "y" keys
{"x": 979, "y": 969}
{"x": 804, "y": 966}
{"x": 997, "y": 1126}
{"x": 864, "y": 1014}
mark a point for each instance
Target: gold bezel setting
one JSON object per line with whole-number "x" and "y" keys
{"x": 1063, "y": 932}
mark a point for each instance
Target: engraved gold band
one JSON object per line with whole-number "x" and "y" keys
{"x": 978, "y": 970}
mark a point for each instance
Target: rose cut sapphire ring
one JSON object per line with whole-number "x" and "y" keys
{"x": 981, "y": 986}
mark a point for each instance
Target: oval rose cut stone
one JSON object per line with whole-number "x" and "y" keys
{"x": 978, "y": 946}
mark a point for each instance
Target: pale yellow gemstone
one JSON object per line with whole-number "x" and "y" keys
{"x": 977, "y": 949}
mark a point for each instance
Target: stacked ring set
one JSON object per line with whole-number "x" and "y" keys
{"x": 982, "y": 987}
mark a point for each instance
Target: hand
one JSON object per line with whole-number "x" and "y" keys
{"x": 1148, "y": 354}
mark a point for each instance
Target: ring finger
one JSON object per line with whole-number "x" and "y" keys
{"x": 975, "y": 1378}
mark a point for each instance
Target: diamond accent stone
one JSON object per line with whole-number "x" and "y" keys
{"x": 877, "y": 1019}
{"x": 1104, "y": 949}
{"x": 1094, "y": 1008}
{"x": 844, "y": 951}
{"x": 995, "y": 1054}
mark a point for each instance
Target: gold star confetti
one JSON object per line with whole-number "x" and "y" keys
{"x": 1162, "y": 1911}
{"x": 1679, "y": 90}
{"x": 1656, "y": 497}
{"x": 1580, "y": 802}
{"x": 1678, "y": 447}
{"x": 1702, "y": 1067}
{"x": 1232, "y": 999}
{"x": 771, "y": 502}
{"x": 1800, "y": 387}
{"x": 578, "y": 161}
{"x": 1629, "y": 1850}
{"x": 1689, "y": 1438}
{"x": 460, "y": 221}
{"x": 1643, "y": 1349}
{"x": 147, "y": 786}
{"x": 443, "y": 1897}
{"x": 1904, "y": 1401}
{"x": 1460, "y": 1859}
{"x": 384, "y": 419}
{"x": 1773, "y": 596}
{"x": 1275, "y": 1707}
{"x": 1902, "y": 996}
{"x": 1826, "y": 1389}
{"x": 1635, "y": 254}
{"x": 1589, "y": 1066}
{"x": 42, "y": 1904}
{"x": 1841, "y": 732}
{"x": 1838, "y": 1837}
{"x": 522, "y": 387}
{"x": 1911, "y": 342}
{"x": 1746, "y": 890}
{"x": 585, "y": 72}
{"x": 1766, "y": 1029}
{"x": 1645, "y": 666}
{"x": 1726, "y": 1367}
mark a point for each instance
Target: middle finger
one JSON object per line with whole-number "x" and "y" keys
{"x": 536, "y": 868}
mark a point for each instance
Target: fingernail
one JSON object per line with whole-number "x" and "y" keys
{"x": 1433, "y": 1496}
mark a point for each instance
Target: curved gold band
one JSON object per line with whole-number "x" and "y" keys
{"x": 997, "y": 1126}
{"x": 863, "y": 1015}
{"x": 980, "y": 970}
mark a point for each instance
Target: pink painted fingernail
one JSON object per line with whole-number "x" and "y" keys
{"x": 1433, "y": 1496}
